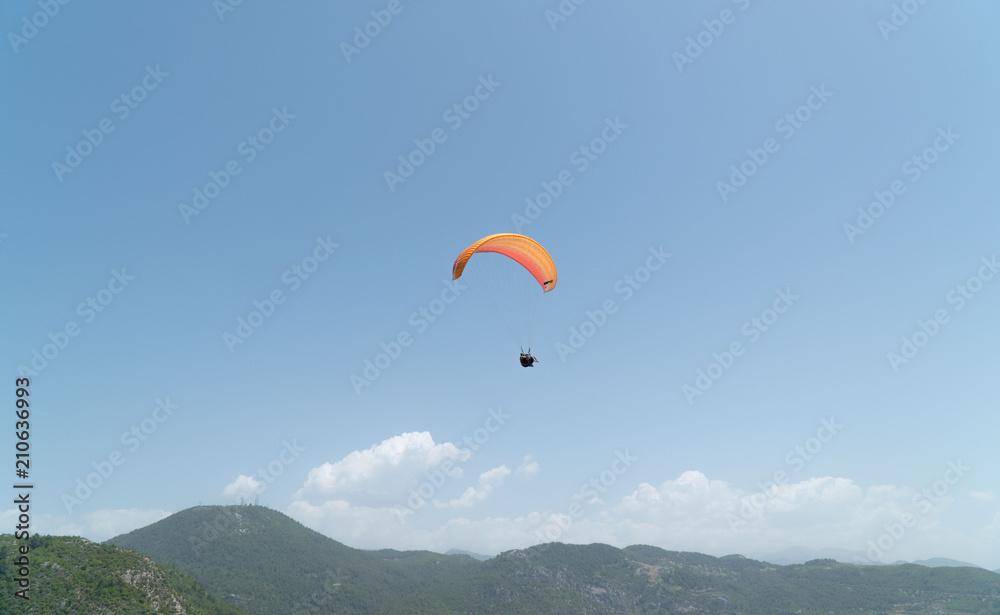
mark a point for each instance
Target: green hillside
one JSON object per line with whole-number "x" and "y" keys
{"x": 270, "y": 563}
{"x": 71, "y": 575}
{"x": 567, "y": 579}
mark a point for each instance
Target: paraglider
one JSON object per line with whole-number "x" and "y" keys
{"x": 506, "y": 287}
{"x": 525, "y": 250}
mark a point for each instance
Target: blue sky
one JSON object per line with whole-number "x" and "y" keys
{"x": 120, "y": 115}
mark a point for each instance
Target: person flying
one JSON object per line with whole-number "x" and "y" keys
{"x": 527, "y": 360}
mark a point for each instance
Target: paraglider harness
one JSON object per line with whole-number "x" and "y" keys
{"x": 527, "y": 360}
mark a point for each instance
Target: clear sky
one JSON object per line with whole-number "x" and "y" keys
{"x": 781, "y": 219}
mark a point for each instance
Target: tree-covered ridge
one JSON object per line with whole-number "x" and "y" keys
{"x": 273, "y": 564}
{"x": 70, "y": 574}
{"x": 643, "y": 579}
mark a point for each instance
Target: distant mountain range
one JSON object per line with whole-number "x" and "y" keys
{"x": 477, "y": 556}
{"x": 238, "y": 560}
{"x": 800, "y": 555}
{"x": 936, "y": 562}
{"x": 262, "y": 560}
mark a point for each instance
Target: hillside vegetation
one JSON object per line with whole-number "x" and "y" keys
{"x": 71, "y": 575}
{"x": 271, "y": 564}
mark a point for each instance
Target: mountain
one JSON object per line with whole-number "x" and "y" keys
{"x": 801, "y": 555}
{"x": 271, "y": 564}
{"x": 935, "y": 562}
{"x": 73, "y": 575}
{"x": 477, "y": 556}
{"x": 268, "y": 562}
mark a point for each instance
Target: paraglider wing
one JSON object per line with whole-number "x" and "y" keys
{"x": 526, "y": 251}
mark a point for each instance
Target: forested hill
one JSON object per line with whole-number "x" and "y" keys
{"x": 71, "y": 575}
{"x": 264, "y": 560}
{"x": 273, "y": 565}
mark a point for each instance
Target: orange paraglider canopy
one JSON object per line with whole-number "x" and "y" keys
{"x": 526, "y": 251}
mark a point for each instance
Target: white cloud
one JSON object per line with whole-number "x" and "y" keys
{"x": 356, "y": 526}
{"x": 378, "y": 497}
{"x": 243, "y": 487}
{"x": 688, "y": 513}
{"x": 983, "y": 496}
{"x": 377, "y": 528}
{"x": 488, "y": 481}
{"x": 528, "y": 468}
{"x": 97, "y": 526}
{"x": 692, "y": 494}
{"x": 382, "y": 474}
{"x": 104, "y": 524}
